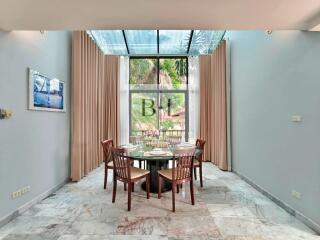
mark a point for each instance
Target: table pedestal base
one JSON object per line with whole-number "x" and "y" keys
{"x": 153, "y": 167}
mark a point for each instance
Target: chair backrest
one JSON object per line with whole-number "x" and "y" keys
{"x": 174, "y": 140}
{"x": 121, "y": 163}
{"x": 106, "y": 145}
{"x": 183, "y": 163}
{"x": 200, "y": 145}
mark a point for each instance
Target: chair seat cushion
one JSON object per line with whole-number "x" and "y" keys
{"x": 167, "y": 173}
{"x": 110, "y": 164}
{"x": 138, "y": 172}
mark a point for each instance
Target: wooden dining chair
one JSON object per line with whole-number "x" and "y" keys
{"x": 198, "y": 160}
{"x": 174, "y": 140}
{"x": 124, "y": 172}
{"x": 181, "y": 172}
{"x": 137, "y": 140}
{"x": 108, "y": 160}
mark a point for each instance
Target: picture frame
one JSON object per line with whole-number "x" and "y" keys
{"x": 46, "y": 93}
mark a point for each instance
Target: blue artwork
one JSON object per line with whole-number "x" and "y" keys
{"x": 46, "y": 93}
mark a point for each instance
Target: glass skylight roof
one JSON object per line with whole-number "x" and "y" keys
{"x": 111, "y": 42}
{"x": 174, "y": 42}
{"x": 157, "y": 42}
{"x": 205, "y": 42}
{"x": 142, "y": 41}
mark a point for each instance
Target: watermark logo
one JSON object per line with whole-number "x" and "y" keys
{"x": 148, "y": 107}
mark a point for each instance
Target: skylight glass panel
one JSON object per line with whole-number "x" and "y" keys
{"x": 142, "y": 42}
{"x": 205, "y": 42}
{"x": 174, "y": 41}
{"x": 111, "y": 42}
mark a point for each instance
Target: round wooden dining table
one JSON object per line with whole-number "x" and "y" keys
{"x": 155, "y": 162}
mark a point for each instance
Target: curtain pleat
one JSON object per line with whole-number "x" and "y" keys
{"x": 112, "y": 69}
{"x": 95, "y": 104}
{"x": 213, "y": 106}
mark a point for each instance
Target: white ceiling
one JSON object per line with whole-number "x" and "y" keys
{"x": 158, "y": 14}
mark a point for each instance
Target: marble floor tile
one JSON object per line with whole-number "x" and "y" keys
{"x": 203, "y": 226}
{"x": 112, "y": 237}
{"x": 239, "y": 226}
{"x": 245, "y": 238}
{"x": 195, "y": 237}
{"x": 36, "y": 225}
{"x": 229, "y": 210}
{"x": 226, "y": 208}
{"x": 2, "y": 236}
{"x": 143, "y": 225}
{"x": 94, "y": 227}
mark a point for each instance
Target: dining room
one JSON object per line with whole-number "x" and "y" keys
{"x": 150, "y": 144}
{"x": 145, "y": 107}
{"x": 148, "y": 104}
{"x": 159, "y": 126}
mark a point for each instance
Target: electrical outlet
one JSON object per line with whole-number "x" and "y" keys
{"x": 25, "y": 189}
{"x": 20, "y": 192}
{"x": 296, "y": 194}
{"x": 296, "y": 118}
{"x": 5, "y": 114}
{"x": 14, "y": 195}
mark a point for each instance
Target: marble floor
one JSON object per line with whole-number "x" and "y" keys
{"x": 226, "y": 208}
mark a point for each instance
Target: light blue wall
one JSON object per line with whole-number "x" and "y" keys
{"x": 34, "y": 145}
{"x": 272, "y": 78}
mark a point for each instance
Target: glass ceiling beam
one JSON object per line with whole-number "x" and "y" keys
{"x": 190, "y": 40}
{"x": 158, "y": 42}
{"x": 125, "y": 40}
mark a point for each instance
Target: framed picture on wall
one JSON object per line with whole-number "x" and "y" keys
{"x": 46, "y": 93}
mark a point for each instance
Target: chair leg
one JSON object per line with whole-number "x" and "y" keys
{"x": 114, "y": 192}
{"x": 192, "y": 192}
{"x": 129, "y": 195}
{"x": 178, "y": 186}
{"x": 159, "y": 187}
{"x": 105, "y": 177}
{"x": 148, "y": 185}
{"x": 173, "y": 197}
{"x": 200, "y": 171}
{"x": 125, "y": 186}
{"x": 132, "y": 187}
{"x": 195, "y": 173}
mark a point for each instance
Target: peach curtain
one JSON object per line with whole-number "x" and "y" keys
{"x": 112, "y": 100}
{"x": 213, "y": 106}
{"x": 94, "y": 104}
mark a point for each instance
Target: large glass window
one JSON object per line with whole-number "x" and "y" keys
{"x": 143, "y": 73}
{"x": 158, "y": 96}
{"x": 173, "y": 73}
